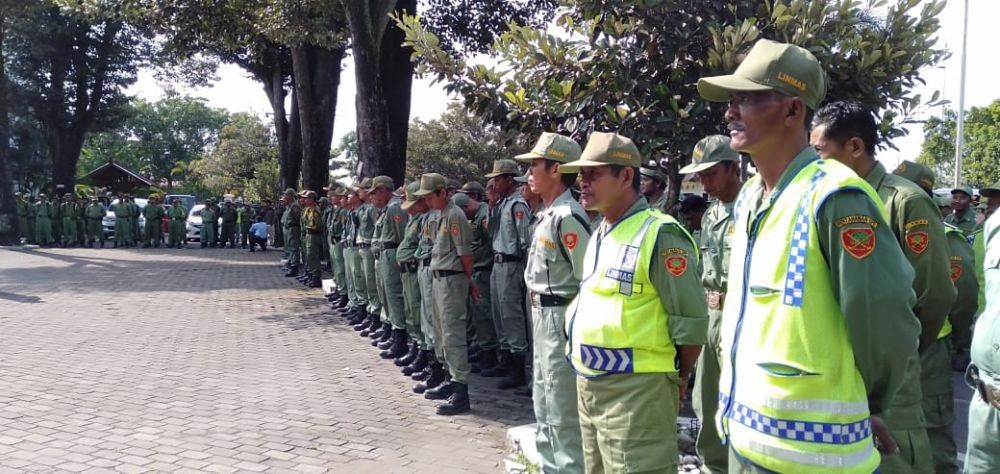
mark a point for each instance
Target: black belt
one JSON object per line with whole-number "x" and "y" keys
{"x": 294, "y": 226}
{"x": 314, "y": 232}
{"x": 548, "y": 301}
{"x": 446, "y": 273}
{"x": 504, "y": 258}
{"x": 389, "y": 245}
{"x": 364, "y": 245}
{"x": 408, "y": 267}
{"x": 484, "y": 268}
{"x": 426, "y": 261}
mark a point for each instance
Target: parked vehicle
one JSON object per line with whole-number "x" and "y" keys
{"x": 108, "y": 223}
{"x": 194, "y": 223}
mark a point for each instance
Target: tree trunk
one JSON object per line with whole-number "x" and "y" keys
{"x": 396, "y": 65}
{"x": 288, "y": 165}
{"x": 8, "y": 211}
{"x": 294, "y": 141}
{"x": 317, "y": 78}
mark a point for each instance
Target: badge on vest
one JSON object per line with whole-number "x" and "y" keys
{"x": 628, "y": 255}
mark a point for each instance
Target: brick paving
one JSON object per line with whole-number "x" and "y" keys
{"x": 209, "y": 360}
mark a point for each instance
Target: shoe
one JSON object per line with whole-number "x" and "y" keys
{"x": 424, "y": 373}
{"x": 357, "y": 318}
{"x": 373, "y": 325}
{"x": 500, "y": 369}
{"x": 398, "y": 347}
{"x": 437, "y": 376}
{"x": 488, "y": 359}
{"x": 315, "y": 283}
{"x": 408, "y": 358}
{"x": 419, "y": 363}
{"x": 292, "y": 271}
{"x": 377, "y": 330}
{"x": 387, "y": 333}
{"x": 441, "y": 392}
{"x": 385, "y": 345}
{"x": 516, "y": 376}
{"x": 457, "y": 403}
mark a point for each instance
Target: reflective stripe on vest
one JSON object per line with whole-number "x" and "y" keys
{"x": 791, "y": 397}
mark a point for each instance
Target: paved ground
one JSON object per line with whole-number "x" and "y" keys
{"x": 209, "y": 360}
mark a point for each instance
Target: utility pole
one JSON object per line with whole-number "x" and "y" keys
{"x": 960, "y": 120}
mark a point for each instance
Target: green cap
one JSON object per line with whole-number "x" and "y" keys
{"x": 322, "y": 199}
{"x": 523, "y": 178}
{"x": 709, "y": 151}
{"x": 604, "y": 149}
{"x": 365, "y": 183}
{"x": 308, "y": 194}
{"x": 917, "y": 173}
{"x": 411, "y": 199}
{"x": 287, "y": 191}
{"x": 553, "y": 146}
{"x": 653, "y": 173}
{"x": 68, "y": 195}
{"x": 942, "y": 201}
{"x": 963, "y": 188}
{"x": 502, "y": 167}
{"x": 473, "y": 187}
{"x": 339, "y": 190}
{"x": 990, "y": 191}
{"x": 460, "y": 200}
{"x": 430, "y": 183}
{"x": 782, "y": 67}
{"x": 381, "y": 182}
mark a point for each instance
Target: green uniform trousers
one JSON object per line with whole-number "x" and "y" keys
{"x": 557, "y": 436}
{"x": 411, "y": 305}
{"x": 24, "y": 229}
{"x": 69, "y": 230}
{"x": 311, "y": 251}
{"x": 370, "y": 286}
{"x": 208, "y": 236}
{"x": 154, "y": 232}
{"x": 939, "y": 404}
{"x": 714, "y": 455}
{"x": 94, "y": 231}
{"x": 293, "y": 246}
{"x": 983, "y": 449}
{"x": 481, "y": 329}
{"x": 391, "y": 288}
{"x": 428, "y": 326}
{"x": 450, "y": 293}
{"x": 123, "y": 232}
{"x": 355, "y": 280}
{"x": 509, "y": 302}
{"x": 228, "y": 235}
{"x": 337, "y": 264}
{"x": 43, "y": 231}
{"x": 628, "y": 422}
{"x": 907, "y": 425}
{"x": 178, "y": 233}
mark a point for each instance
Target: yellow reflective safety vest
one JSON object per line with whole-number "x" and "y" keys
{"x": 950, "y": 231}
{"x": 791, "y": 398}
{"x": 617, "y": 323}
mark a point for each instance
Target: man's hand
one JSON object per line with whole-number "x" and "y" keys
{"x": 474, "y": 291}
{"x": 683, "y": 387}
{"x": 883, "y": 440}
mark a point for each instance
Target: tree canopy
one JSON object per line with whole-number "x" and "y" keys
{"x": 980, "y": 151}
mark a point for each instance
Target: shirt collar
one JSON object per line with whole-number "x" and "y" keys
{"x": 876, "y": 175}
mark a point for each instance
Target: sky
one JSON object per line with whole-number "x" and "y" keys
{"x": 236, "y": 92}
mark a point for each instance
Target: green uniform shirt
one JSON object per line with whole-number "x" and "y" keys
{"x": 660, "y": 204}
{"x": 428, "y": 234}
{"x": 153, "y": 212}
{"x": 391, "y": 224}
{"x": 453, "y": 240}
{"x": 680, "y": 295}
{"x": 964, "y": 277}
{"x": 292, "y": 215}
{"x": 23, "y": 208}
{"x": 228, "y": 214}
{"x": 509, "y": 226}
{"x": 558, "y": 248}
{"x": 407, "y": 251}
{"x": 208, "y": 216}
{"x": 178, "y": 212}
{"x": 122, "y": 210}
{"x": 67, "y": 209}
{"x": 966, "y": 221}
{"x": 96, "y": 211}
{"x": 482, "y": 247}
{"x": 367, "y": 215}
{"x": 717, "y": 229}
{"x": 915, "y": 221}
{"x": 311, "y": 220}
{"x": 873, "y": 306}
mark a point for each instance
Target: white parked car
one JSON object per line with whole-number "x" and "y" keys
{"x": 194, "y": 223}
{"x": 108, "y": 223}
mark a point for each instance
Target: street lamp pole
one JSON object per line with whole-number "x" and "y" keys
{"x": 960, "y": 120}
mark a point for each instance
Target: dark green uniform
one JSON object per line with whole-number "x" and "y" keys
{"x": 367, "y": 215}
{"x": 965, "y": 221}
{"x": 509, "y": 229}
{"x": 43, "y": 212}
{"x": 154, "y": 213}
{"x": 292, "y": 228}
{"x": 25, "y": 220}
{"x": 451, "y": 288}
{"x": 95, "y": 214}
{"x": 209, "y": 220}
{"x": 406, "y": 257}
{"x": 228, "y": 235}
{"x": 481, "y": 314}
{"x": 67, "y": 211}
{"x": 178, "y": 225}
{"x": 389, "y": 231}
{"x": 428, "y": 324}
{"x": 312, "y": 224}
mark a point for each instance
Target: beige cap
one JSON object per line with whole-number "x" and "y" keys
{"x": 430, "y": 183}
{"x": 502, "y": 167}
{"x": 381, "y": 182}
{"x": 553, "y": 146}
{"x": 411, "y": 199}
{"x": 708, "y": 152}
{"x": 604, "y": 149}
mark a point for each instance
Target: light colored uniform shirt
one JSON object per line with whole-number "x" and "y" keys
{"x": 510, "y": 226}
{"x": 558, "y": 248}
{"x": 482, "y": 249}
{"x": 367, "y": 215}
{"x": 453, "y": 240}
{"x": 717, "y": 229}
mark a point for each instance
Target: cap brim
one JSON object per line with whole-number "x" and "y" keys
{"x": 720, "y": 88}
{"x": 521, "y": 179}
{"x": 697, "y": 168}
{"x": 527, "y": 157}
{"x": 494, "y": 175}
{"x": 960, "y": 190}
{"x": 407, "y": 204}
{"x": 574, "y": 166}
{"x": 421, "y": 193}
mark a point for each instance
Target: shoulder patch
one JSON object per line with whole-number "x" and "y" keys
{"x": 455, "y": 229}
{"x": 956, "y": 272}
{"x": 917, "y": 241}
{"x": 856, "y": 219}
{"x": 397, "y": 218}
{"x": 519, "y": 215}
{"x": 858, "y": 241}
{"x": 570, "y": 240}
{"x": 676, "y": 264}
{"x": 912, "y": 224}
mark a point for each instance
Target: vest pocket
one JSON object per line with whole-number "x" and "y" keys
{"x": 784, "y": 370}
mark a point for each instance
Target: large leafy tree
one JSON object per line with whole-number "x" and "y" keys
{"x": 980, "y": 151}
{"x": 244, "y": 162}
{"x": 631, "y": 65}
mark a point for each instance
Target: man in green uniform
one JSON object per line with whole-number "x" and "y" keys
{"x": 367, "y": 215}
{"x": 434, "y": 372}
{"x": 134, "y": 225}
{"x": 847, "y": 132}
{"x": 356, "y": 311}
{"x": 56, "y": 219}
{"x": 209, "y": 220}
{"x": 509, "y": 228}
{"x": 962, "y": 215}
{"x": 452, "y": 268}
{"x": 95, "y": 213}
{"x": 717, "y": 167}
{"x": 819, "y": 284}
{"x": 639, "y": 321}
{"x": 334, "y": 231}
{"x": 983, "y": 450}
{"x": 153, "y": 212}
{"x": 81, "y": 221}
{"x": 244, "y": 219}
{"x": 652, "y": 185}
{"x": 24, "y": 229}
{"x": 482, "y": 332}
{"x": 291, "y": 227}
{"x": 43, "y": 212}
{"x": 123, "y": 222}
{"x": 228, "y": 215}
{"x": 552, "y": 276}
{"x": 406, "y": 258}
{"x": 67, "y": 211}
{"x": 178, "y": 224}
{"x": 311, "y": 222}
{"x": 389, "y": 231}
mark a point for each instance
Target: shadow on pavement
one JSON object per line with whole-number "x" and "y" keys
{"x": 19, "y": 298}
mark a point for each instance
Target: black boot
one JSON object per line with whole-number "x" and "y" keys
{"x": 356, "y": 317}
{"x": 501, "y": 367}
{"x": 419, "y": 363}
{"x": 373, "y": 324}
{"x": 457, "y": 403}
{"x": 377, "y": 331}
{"x": 385, "y": 337}
{"x": 516, "y": 376}
{"x": 425, "y": 372}
{"x": 315, "y": 282}
{"x": 441, "y": 392}
{"x": 292, "y": 272}
{"x": 409, "y": 357}
{"x": 365, "y": 323}
{"x": 435, "y": 378}
{"x": 488, "y": 359}
{"x": 398, "y": 348}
